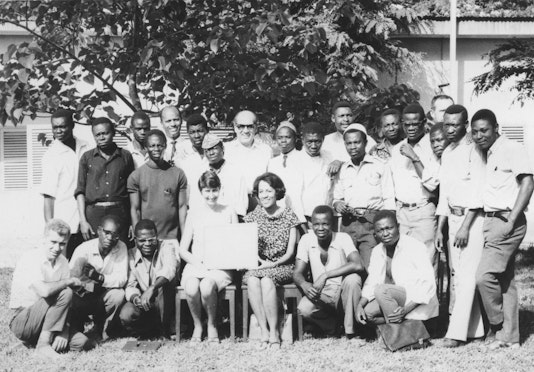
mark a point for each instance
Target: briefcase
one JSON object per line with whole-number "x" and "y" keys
{"x": 408, "y": 335}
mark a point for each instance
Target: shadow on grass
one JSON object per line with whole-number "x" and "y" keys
{"x": 526, "y": 324}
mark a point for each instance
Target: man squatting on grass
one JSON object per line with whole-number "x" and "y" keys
{"x": 42, "y": 295}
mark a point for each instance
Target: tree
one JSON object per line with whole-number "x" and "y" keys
{"x": 513, "y": 60}
{"x": 272, "y": 56}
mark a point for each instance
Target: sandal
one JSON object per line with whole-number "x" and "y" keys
{"x": 275, "y": 345}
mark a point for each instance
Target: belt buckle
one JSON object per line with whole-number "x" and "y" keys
{"x": 412, "y": 206}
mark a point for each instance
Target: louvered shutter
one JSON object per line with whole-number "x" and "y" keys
{"x": 516, "y": 133}
{"x": 14, "y": 159}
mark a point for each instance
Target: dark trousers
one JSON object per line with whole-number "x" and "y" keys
{"x": 74, "y": 241}
{"x": 388, "y": 297}
{"x": 154, "y": 322}
{"x": 95, "y": 214}
{"x": 495, "y": 276}
{"x": 103, "y": 304}
{"x": 361, "y": 230}
{"x": 47, "y": 314}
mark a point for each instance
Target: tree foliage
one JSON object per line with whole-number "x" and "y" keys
{"x": 477, "y": 8}
{"x": 272, "y": 56}
{"x": 513, "y": 60}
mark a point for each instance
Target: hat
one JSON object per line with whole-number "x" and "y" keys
{"x": 356, "y": 126}
{"x": 286, "y": 124}
{"x": 210, "y": 140}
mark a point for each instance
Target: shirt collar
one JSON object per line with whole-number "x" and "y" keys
{"x": 138, "y": 257}
{"x": 366, "y": 159}
{"x": 333, "y": 244}
{"x": 498, "y": 143}
{"x": 116, "y": 152}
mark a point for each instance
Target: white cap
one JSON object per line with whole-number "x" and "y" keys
{"x": 356, "y": 126}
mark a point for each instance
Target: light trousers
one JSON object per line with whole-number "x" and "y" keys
{"x": 323, "y": 312}
{"x": 466, "y": 320}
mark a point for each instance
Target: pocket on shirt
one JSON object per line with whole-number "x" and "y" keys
{"x": 373, "y": 179}
{"x": 499, "y": 177}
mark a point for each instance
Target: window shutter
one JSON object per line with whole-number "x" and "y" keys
{"x": 40, "y": 139}
{"x": 516, "y": 133}
{"x": 15, "y": 159}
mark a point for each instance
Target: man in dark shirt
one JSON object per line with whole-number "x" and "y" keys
{"x": 102, "y": 178}
{"x": 158, "y": 191}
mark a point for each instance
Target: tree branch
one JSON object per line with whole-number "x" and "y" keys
{"x": 97, "y": 75}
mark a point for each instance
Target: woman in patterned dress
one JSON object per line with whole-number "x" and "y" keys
{"x": 200, "y": 284}
{"x": 277, "y": 237}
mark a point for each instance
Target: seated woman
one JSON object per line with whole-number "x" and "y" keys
{"x": 277, "y": 236}
{"x": 200, "y": 284}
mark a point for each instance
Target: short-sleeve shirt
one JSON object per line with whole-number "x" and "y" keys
{"x": 159, "y": 190}
{"x": 104, "y": 180}
{"x": 60, "y": 175}
{"x": 114, "y": 267}
{"x": 335, "y": 145}
{"x": 506, "y": 160}
{"x": 34, "y": 267}
{"x": 317, "y": 182}
{"x": 339, "y": 250}
{"x": 273, "y": 231}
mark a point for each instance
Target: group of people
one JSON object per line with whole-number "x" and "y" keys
{"x": 356, "y": 224}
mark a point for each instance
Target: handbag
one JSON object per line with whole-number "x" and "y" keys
{"x": 408, "y": 335}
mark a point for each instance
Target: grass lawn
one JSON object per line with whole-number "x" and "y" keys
{"x": 308, "y": 355}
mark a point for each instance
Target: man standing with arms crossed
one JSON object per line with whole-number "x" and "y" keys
{"x": 506, "y": 192}
{"x": 60, "y": 174}
{"x": 461, "y": 175}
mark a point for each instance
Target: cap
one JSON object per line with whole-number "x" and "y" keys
{"x": 286, "y": 124}
{"x": 356, "y": 126}
{"x": 210, "y": 140}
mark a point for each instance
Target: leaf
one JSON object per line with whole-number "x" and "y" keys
{"x": 310, "y": 47}
{"x": 23, "y": 75}
{"x": 310, "y": 88}
{"x": 89, "y": 78}
{"x": 146, "y": 53}
{"x": 27, "y": 61}
{"x": 214, "y": 45}
{"x": 261, "y": 27}
{"x": 111, "y": 113}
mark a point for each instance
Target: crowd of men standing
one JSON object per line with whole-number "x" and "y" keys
{"x": 444, "y": 183}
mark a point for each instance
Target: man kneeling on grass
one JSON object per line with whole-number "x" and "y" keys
{"x": 336, "y": 269}
{"x": 41, "y": 292}
{"x": 401, "y": 281}
{"x": 150, "y": 289}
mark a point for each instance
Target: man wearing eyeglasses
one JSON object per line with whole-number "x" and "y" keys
{"x": 414, "y": 168}
{"x": 150, "y": 288}
{"x": 102, "y": 264}
{"x": 246, "y": 152}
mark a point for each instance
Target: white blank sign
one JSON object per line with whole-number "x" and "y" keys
{"x": 231, "y": 246}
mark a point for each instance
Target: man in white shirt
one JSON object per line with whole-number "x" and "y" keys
{"x": 60, "y": 176}
{"x": 41, "y": 294}
{"x": 460, "y": 208}
{"x": 233, "y": 192}
{"x": 363, "y": 188}
{"x": 336, "y": 270}
{"x": 103, "y": 263}
{"x": 438, "y": 105}
{"x": 401, "y": 281}
{"x": 415, "y": 168}
{"x": 288, "y": 167}
{"x": 248, "y": 154}
{"x": 139, "y": 127}
{"x": 315, "y": 163}
{"x": 506, "y": 193}
{"x": 151, "y": 287}
{"x": 391, "y": 128}
{"x": 342, "y": 117}
{"x": 171, "y": 121}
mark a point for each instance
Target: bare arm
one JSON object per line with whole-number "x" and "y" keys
{"x": 47, "y": 289}
{"x": 182, "y": 208}
{"x": 85, "y": 227}
{"x": 48, "y": 207}
{"x": 185, "y": 243}
{"x": 526, "y": 186}
{"x": 135, "y": 210}
{"x": 299, "y": 278}
{"x": 290, "y": 251}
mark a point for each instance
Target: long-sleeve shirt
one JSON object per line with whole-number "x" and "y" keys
{"x": 114, "y": 266}
{"x": 252, "y": 161}
{"x": 410, "y": 269}
{"x": 102, "y": 180}
{"x": 144, "y": 272}
{"x": 461, "y": 176}
{"x": 409, "y": 187}
{"x": 368, "y": 185}
{"x": 317, "y": 183}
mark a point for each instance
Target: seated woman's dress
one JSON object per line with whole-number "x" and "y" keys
{"x": 273, "y": 237}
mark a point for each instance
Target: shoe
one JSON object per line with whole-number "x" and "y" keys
{"x": 274, "y": 345}
{"x": 195, "y": 340}
{"x": 214, "y": 340}
{"x": 263, "y": 345}
{"x": 451, "y": 343}
{"x": 498, "y": 344}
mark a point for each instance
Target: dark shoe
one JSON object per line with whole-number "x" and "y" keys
{"x": 497, "y": 344}
{"x": 490, "y": 338}
{"x": 451, "y": 343}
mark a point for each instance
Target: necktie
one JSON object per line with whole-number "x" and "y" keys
{"x": 173, "y": 151}
{"x": 285, "y": 159}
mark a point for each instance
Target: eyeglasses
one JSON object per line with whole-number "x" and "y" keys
{"x": 148, "y": 240}
{"x": 243, "y": 126}
{"x": 113, "y": 234}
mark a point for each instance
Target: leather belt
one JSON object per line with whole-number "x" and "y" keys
{"x": 502, "y": 215}
{"x": 401, "y": 204}
{"x": 107, "y": 204}
{"x": 457, "y": 211}
{"x": 361, "y": 214}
